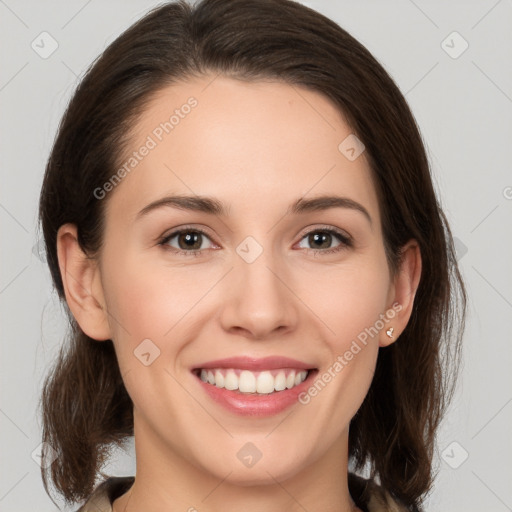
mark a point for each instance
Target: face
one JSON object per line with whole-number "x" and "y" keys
{"x": 254, "y": 296}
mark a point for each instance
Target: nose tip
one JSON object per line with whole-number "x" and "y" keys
{"x": 259, "y": 305}
{"x": 258, "y": 331}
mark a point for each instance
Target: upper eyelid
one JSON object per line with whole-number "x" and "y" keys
{"x": 327, "y": 227}
{"x": 173, "y": 232}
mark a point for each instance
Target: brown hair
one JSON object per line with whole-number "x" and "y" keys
{"x": 86, "y": 410}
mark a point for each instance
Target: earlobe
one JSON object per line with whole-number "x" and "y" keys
{"x": 82, "y": 285}
{"x": 404, "y": 287}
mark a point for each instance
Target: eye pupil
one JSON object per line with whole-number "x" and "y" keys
{"x": 190, "y": 239}
{"x": 321, "y": 236}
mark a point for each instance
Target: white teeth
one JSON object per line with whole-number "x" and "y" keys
{"x": 253, "y": 382}
{"x": 231, "y": 380}
{"x": 247, "y": 382}
{"x": 280, "y": 382}
{"x": 219, "y": 379}
{"x": 265, "y": 383}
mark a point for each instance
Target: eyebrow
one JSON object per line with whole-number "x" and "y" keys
{"x": 212, "y": 206}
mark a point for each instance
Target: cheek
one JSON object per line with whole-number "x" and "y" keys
{"x": 353, "y": 312}
{"x": 148, "y": 300}
{"x": 143, "y": 307}
{"x": 145, "y": 299}
{"x": 356, "y": 297}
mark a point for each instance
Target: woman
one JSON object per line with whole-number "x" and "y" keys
{"x": 305, "y": 334}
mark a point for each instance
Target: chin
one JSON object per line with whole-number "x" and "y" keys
{"x": 264, "y": 471}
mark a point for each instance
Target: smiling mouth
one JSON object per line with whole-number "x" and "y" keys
{"x": 253, "y": 382}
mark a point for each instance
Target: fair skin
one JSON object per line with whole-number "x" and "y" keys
{"x": 256, "y": 147}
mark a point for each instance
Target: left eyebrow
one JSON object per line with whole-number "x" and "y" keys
{"x": 321, "y": 203}
{"x": 213, "y": 206}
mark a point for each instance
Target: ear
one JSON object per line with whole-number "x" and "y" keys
{"x": 82, "y": 285}
{"x": 402, "y": 293}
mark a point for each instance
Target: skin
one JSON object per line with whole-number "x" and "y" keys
{"x": 257, "y": 147}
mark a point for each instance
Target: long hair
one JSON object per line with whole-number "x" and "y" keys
{"x": 85, "y": 407}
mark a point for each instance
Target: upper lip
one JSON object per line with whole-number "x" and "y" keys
{"x": 255, "y": 364}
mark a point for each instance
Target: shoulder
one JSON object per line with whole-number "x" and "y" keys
{"x": 105, "y": 493}
{"x": 369, "y": 496}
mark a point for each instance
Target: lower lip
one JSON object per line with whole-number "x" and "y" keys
{"x": 245, "y": 404}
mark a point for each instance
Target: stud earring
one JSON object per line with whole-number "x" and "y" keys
{"x": 389, "y": 332}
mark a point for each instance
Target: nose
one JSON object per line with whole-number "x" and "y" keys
{"x": 259, "y": 301}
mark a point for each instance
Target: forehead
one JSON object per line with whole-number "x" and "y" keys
{"x": 245, "y": 143}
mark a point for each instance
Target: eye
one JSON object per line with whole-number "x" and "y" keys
{"x": 190, "y": 241}
{"x": 324, "y": 237}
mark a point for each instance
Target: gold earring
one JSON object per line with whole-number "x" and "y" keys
{"x": 389, "y": 332}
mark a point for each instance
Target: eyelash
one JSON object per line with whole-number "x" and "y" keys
{"x": 345, "y": 241}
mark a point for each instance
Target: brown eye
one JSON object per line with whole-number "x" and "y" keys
{"x": 189, "y": 241}
{"x": 321, "y": 240}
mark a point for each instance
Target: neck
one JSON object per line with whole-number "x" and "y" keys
{"x": 167, "y": 481}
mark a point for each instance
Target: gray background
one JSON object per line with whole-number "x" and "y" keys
{"x": 464, "y": 108}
